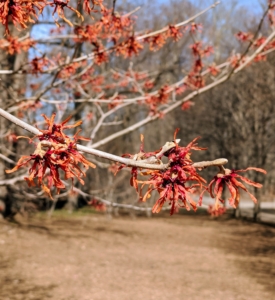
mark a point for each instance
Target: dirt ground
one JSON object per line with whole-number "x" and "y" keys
{"x": 91, "y": 257}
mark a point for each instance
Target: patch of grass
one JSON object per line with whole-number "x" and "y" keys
{"x": 64, "y": 213}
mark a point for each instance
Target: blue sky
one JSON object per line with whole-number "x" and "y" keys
{"x": 255, "y": 4}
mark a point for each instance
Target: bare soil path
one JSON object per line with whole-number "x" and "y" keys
{"x": 92, "y": 258}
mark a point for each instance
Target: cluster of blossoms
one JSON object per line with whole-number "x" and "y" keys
{"x": 176, "y": 183}
{"x": 229, "y": 178}
{"x": 119, "y": 30}
{"x": 54, "y": 152}
{"x": 14, "y": 45}
{"x": 22, "y": 12}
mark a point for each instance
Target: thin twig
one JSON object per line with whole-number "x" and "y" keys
{"x": 7, "y": 159}
{"x": 179, "y": 24}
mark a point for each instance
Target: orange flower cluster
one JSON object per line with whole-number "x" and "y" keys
{"x": 195, "y": 80}
{"x": 13, "y": 45}
{"x": 129, "y": 47}
{"x": 157, "y": 41}
{"x": 110, "y": 27}
{"x": 119, "y": 30}
{"x": 38, "y": 65}
{"x": 54, "y": 153}
{"x": 59, "y": 6}
{"x": 244, "y": 36}
{"x": 21, "y": 12}
{"x": 87, "y": 6}
{"x": 162, "y": 97}
{"x": 230, "y": 178}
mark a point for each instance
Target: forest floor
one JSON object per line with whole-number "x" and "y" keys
{"x": 91, "y": 257}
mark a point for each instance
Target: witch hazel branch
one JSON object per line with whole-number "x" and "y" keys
{"x": 57, "y": 156}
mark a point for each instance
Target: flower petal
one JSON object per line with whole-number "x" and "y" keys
{"x": 233, "y": 193}
{"x": 250, "y": 182}
{"x": 251, "y": 168}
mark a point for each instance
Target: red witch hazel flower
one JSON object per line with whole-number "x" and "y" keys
{"x": 20, "y": 12}
{"x": 229, "y": 178}
{"x": 59, "y": 6}
{"x": 55, "y": 152}
{"x": 176, "y": 183}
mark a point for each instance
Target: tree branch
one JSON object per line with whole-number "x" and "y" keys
{"x": 143, "y": 164}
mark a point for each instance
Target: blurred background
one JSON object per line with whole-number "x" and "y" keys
{"x": 234, "y": 120}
